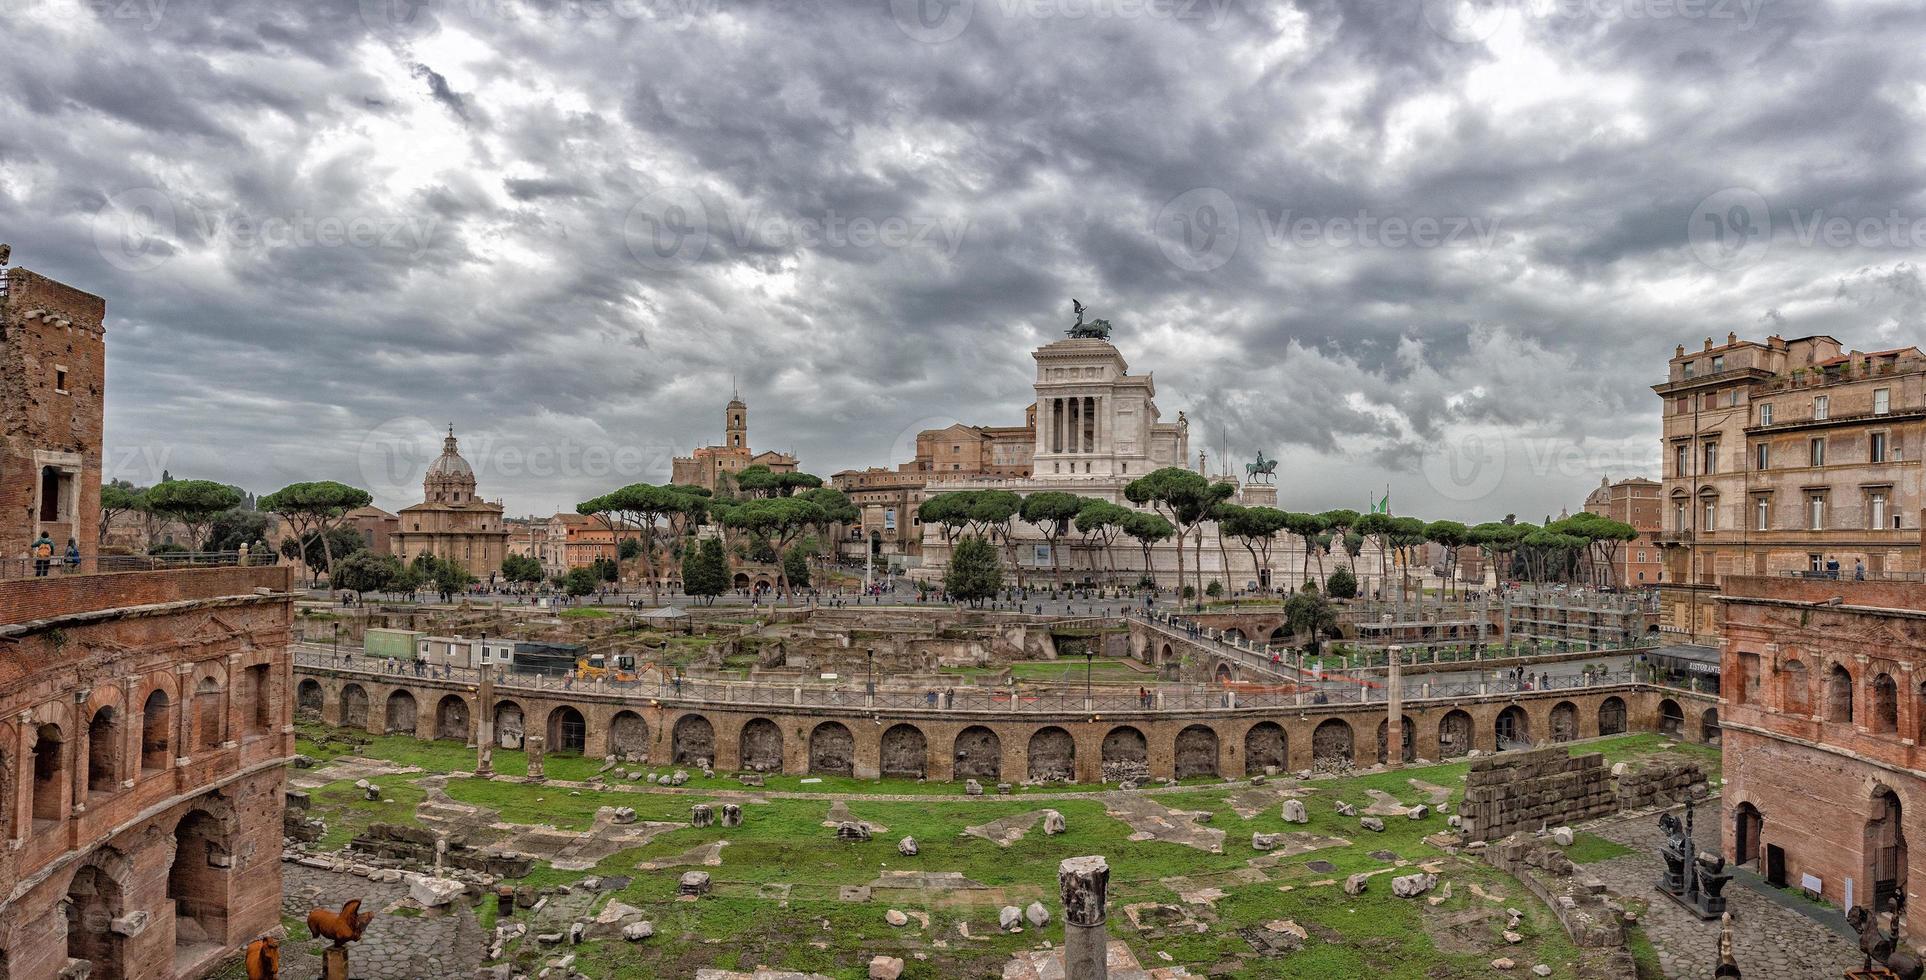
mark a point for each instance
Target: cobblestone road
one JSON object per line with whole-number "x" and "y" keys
{"x": 395, "y": 947}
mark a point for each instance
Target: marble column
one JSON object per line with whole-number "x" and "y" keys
{"x": 485, "y": 724}
{"x": 1086, "y": 943}
{"x": 1394, "y": 710}
{"x": 532, "y": 745}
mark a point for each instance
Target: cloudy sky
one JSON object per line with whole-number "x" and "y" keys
{"x": 1445, "y": 248}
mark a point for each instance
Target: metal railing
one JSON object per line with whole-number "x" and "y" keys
{"x": 62, "y": 565}
{"x": 1149, "y": 699}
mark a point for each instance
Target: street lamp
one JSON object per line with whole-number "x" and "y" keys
{"x": 1086, "y": 675}
{"x": 871, "y": 653}
{"x": 336, "y": 654}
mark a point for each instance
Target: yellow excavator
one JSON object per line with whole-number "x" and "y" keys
{"x": 595, "y": 667}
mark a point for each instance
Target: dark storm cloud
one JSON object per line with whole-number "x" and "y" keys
{"x": 569, "y": 228}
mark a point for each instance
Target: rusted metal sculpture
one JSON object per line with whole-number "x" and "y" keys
{"x": 1885, "y": 960}
{"x": 344, "y": 927}
{"x": 264, "y": 959}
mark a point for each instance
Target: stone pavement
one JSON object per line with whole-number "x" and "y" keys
{"x": 1770, "y": 940}
{"x": 395, "y": 947}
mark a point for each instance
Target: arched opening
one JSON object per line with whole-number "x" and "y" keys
{"x": 1266, "y": 747}
{"x": 905, "y": 752}
{"x": 451, "y": 719}
{"x": 741, "y": 581}
{"x": 1513, "y": 729}
{"x": 832, "y": 749}
{"x": 629, "y": 737}
{"x": 308, "y": 698}
{"x": 197, "y": 885}
{"x": 1885, "y": 704}
{"x": 1611, "y": 716}
{"x": 1333, "y": 746}
{"x": 1747, "y": 825}
{"x": 1454, "y": 734}
{"x": 1234, "y": 635}
{"x": 761, "y": 746}
{"x": 1671, "y": 718}
{"x": 1280, "y": 637}
{"x": 49, "y": 777}
{"x": 1885, "y": 848}
{"x": 1709, "y": 726}
{"x": 1405, "y": 734}
{"x": 209, "y": 719}
{"x": 354, "y": 707}
{"x": 155, "y": 731}
{"x": 509, "y": 730}
{"x": 977, "y": 754}
{"x": 103, "y": 753}
{"x": 1196, "y": 752}
{"x": 1125, "y": 755}
{"x": 692, "y": 741}
{"x": 567, "y": 731}
{"x": 1052, "y": 756}
{"x": 94, "y": 900}
{"x": 1838, "y": 694}
{"x": 1223, "y": 673}
{"x": 402, "y": 713}
{"x": 1166, "y": 656}
{"x": 1564, "y": 721}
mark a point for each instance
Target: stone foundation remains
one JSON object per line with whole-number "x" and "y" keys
{"x": 1534, "y": 790}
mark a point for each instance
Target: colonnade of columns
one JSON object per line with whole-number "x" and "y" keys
{"x": 1075, "y": 425}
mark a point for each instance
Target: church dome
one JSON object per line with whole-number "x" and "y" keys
{"x": 450, "y": 463}
{"x": 449, "y": 480}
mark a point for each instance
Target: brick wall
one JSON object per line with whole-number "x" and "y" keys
{"x": 46, "y": 326}
{"x": 27, "y": 599}
{"x": 1531, "y": 790}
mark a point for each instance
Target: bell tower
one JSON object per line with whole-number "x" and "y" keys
{"x": 735, "y": 424}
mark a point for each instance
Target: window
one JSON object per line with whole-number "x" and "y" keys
{"x": 1711, "y": 458}
{"x": 1762, "y": 457}
{"x": 1679, "y": 461}
{"x": 1816, "y": 513}
{"x": 1817, "y": 452}
{"x": 1765, "y": 413}
{"x": 1882, "y": 400}
{"x": 1877, "y": 449}
{"x": 1876, "y": 507}
{"x": 1718, "y": 363}
{"x": 1678, "y": 515}
{"x": 1689, "y": 365}
{"x": 1820, "y": 411}
{"x": 60, "y": 379}
{"x": 1762, "y": 514}
{"x": 1732, "y": 398}
{"x": 1711, "y": 507}
{"x": 1678, "y": 405}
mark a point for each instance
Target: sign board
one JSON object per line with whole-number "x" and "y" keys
{"x": 1811, "y": 884}
{"x": 889, "y": 518}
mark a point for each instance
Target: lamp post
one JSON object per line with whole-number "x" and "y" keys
{"x": 1086, "y": 678}
{"x": 336, "y": 653}
{"x": 871, "y": 654}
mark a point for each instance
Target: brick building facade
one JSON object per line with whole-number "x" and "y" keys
{"x": 1637, "y": 502}
{"x": 144, "y": 716}
{"x": 1785, "y": 457}
{"x": 1825, "y": 707}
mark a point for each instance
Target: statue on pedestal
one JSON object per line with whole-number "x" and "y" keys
{"x": 1094, "y": 330}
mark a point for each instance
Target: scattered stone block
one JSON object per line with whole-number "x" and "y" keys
{"x": 1411, "y": 886}
{"x": 1542, "y": 970}
{"x": 906, "y": 847}
{"x": 1420, "y": 812}
{"x": 1008, "y": 917}
{"x": 434, "y": 892}
{"x": 1265, "y": 842}
{"x": 1036, "y": 915}
{"x": 1346, "y": 810}
{"x": 896, "y": 918}
{"x": 1562, "y": 836}
{"x": 731, "y": 815}
{"x": 885, "y": 967}
{"x": 1003, "y": 789}
{"x": 693, "y": 883}
{"x": 702, "y": 815}
{"x": 1294, "y": 812}
{"x": 972, "y": 788}
{"x": 1052, "y": 823}
{"x": 1372, "y": 824}
{"x": 852, "y": 830}
{"x": 1503, "y": 962}
{"x": 1355, "y": 884}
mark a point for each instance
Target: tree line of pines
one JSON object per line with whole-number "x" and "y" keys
{"x": 788, "y": 520}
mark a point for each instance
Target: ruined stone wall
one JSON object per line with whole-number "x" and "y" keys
{"x": 1657, "y": 785}
{"x": 48, "y": 327}
{"x": 1535, "y": 789}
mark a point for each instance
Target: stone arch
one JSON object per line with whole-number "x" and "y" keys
{"x": 1165, "y": 656}
{"x": 451, "y": 718}
{"x": 210, "y": 721}
{"x": 1333, "y": 745}
{"x": 308, "y": 698}
{"x": 977, "y": 754}
{"x": 95, "y": 898}
{"x": 905, "y": 753}
{"x": 1564, "y": 721}
{"x": 741, "y": 581}
{"x": 1884, "y": 846}
{"x": 1196, "y": 752}
{"x": 832, "y": 749}
{"x": 761, "y": 745}
{"x": 1709, "y": 726}
{"x": 1052, "y": 755}
{"x": 1125, "y": 755}
{"x": 1797, "y": 685}
{"x": 1223, "y": 674}
{"x": 401, "y": 713}
{"x": 629, "y": 737}
{"x": 692, "y": 741}
{"x": 1513, "y": 728}
{"x": 1839, "y": 694}
{"x": 1281, "y": 636}
{"x": 49, "y": 776}
{"x": 1748, "y": 827}
{"x": 354, "y": 706}
{"x": 1671, "y": 718}
{"x": 257, "y": 695}
{"x": 1233, "y": 635}
{"x": 1406, "y": 734}
{"x": 1266, "y": 746}
{"x": 198, "y": 883}
{"x": 567, "y": 730}
{"x": 1883, "y": 704}
{"x": 510, "y": 725}
{"x": 103, "y": 752}
{"x": 1611, "y": 716}
{"x": 1454, "y": 734}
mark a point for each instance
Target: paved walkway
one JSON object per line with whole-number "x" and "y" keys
{"x": 1771, "y": 940}
{"x": 395, "y": 947}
